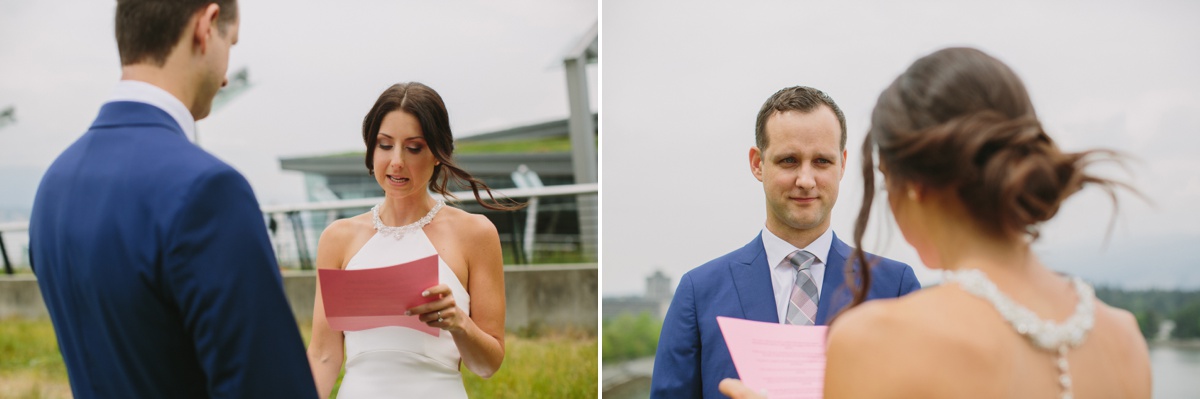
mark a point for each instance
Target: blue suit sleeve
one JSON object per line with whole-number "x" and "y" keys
{"x": 908, "y": 281}
{"x": 677, "y": 361}
{"x": 225, "y": 282}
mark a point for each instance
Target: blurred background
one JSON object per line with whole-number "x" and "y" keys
{"x": 519, "y": 79}
{"x": 683, "y": 82}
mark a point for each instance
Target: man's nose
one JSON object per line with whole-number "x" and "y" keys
{"x": 805, "y": 178}
{"x": 225, "y": 82}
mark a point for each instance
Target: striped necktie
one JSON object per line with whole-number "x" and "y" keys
{"x": 802, "y": 304}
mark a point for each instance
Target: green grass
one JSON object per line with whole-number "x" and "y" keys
{"x": 630, "y": 336}
{"x": 552, "y": 365}
{"x": 30, "y": 365}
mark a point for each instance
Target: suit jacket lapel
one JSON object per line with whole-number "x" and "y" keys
{"x": 834, "y": 293}
{"x": 752, "y": 279}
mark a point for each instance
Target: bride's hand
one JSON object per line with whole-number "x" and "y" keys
{"x": 443, "y": 312}
{"x": 736, "y": 390}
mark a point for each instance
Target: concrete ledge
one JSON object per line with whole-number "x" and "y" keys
{"x": 551, "y": 297}
{"x": 538, "y": 297}
{"x": 20, "y": 297}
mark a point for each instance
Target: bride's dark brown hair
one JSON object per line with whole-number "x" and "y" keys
{"x": 426, "y": 105}
{"x": 961, "y": 120}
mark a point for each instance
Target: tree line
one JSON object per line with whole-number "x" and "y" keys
{"x": 1152, "y": 307}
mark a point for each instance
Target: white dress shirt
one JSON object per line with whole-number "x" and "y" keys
{"x": 783, "y": 275}
{"x": 142, "y": 92}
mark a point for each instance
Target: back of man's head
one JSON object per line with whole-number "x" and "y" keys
{"x": 147, "y": 30}
{"x": 797, "y": 98}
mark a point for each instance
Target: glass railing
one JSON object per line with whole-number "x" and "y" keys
{"x": 558, "y": 226}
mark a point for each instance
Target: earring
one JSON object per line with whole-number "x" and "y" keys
{"x": 912, "y": 194}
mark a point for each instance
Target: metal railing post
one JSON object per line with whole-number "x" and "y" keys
{"x": 301, "y": 241}
{"x": 518, "y": 253}
{"x": 8, "y": 268}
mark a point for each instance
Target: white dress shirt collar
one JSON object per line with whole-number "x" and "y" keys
{"x": 784, "y": 276}
{"x": 142, "y": 92}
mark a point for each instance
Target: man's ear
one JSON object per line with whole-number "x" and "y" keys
{"x": 844, "y": 159}
{"x": 204, "y": 22}
{"x": 756, "y": 162}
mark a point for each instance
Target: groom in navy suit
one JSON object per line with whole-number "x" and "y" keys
{"x": 793, "y": 272}
{"x": 151, "y": 254}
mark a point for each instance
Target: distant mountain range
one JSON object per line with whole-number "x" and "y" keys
{"x": 1171, "y": 262}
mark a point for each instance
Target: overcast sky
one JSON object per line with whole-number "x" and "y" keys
{"x": 682, "y": 82}
{"x": 316, "y": 68}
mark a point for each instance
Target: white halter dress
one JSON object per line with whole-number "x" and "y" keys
{"x": 399, "y": 362}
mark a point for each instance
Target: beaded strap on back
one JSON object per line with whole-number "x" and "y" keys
{"x": 1043, "y": 334}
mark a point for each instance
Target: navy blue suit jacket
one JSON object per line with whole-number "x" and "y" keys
{"x": 692, "y": 357}
{"x": 154, "y": 262}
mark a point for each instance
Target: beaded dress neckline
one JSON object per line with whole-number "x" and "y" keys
{"x": 398, "y": 232}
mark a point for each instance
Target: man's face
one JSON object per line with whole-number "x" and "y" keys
{"x": 800, "y": 169}
{"x": 217, "y": 59}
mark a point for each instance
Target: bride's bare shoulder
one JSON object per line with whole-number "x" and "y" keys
{"x": 923, "y": 331}
{"x": 935, "y": 322}
{"x": 468, "y": 225}
{"x": 1120, "y": 321}
{"x": 346, "y": 229}
{"x": 914, "y": 310}
{"x": 1117, "y": 329}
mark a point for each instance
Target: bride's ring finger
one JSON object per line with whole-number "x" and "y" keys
{"x": 439, "y": 313}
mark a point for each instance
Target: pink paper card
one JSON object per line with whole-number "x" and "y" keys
{"x": 786, "y": 361}
{"x": 368, "y": 298}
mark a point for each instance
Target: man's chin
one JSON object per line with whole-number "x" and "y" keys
{"x": 201, "y": 113}
{"x": 804, "y": 223}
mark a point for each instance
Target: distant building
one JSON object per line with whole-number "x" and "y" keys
{"x": 544, "y": 148}
{"x": 654, "y": 301}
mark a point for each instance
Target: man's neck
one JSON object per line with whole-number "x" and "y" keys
{"x": 797, "y": 237}
{"x": 163, "y": 78}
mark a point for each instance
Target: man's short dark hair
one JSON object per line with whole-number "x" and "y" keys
{"x": 799, "y": 98}
{"x": 148, "y": 29}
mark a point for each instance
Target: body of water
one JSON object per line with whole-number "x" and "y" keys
{"x": 1176, "y": 372}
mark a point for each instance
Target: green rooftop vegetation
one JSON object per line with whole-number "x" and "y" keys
{"x": 542, "y": 145}
{"x": 347, "y": 154}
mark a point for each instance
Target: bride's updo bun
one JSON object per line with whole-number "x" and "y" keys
{"x": 961, "y": 120}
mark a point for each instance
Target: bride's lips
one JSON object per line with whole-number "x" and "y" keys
{"x": 399, "y": 181}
